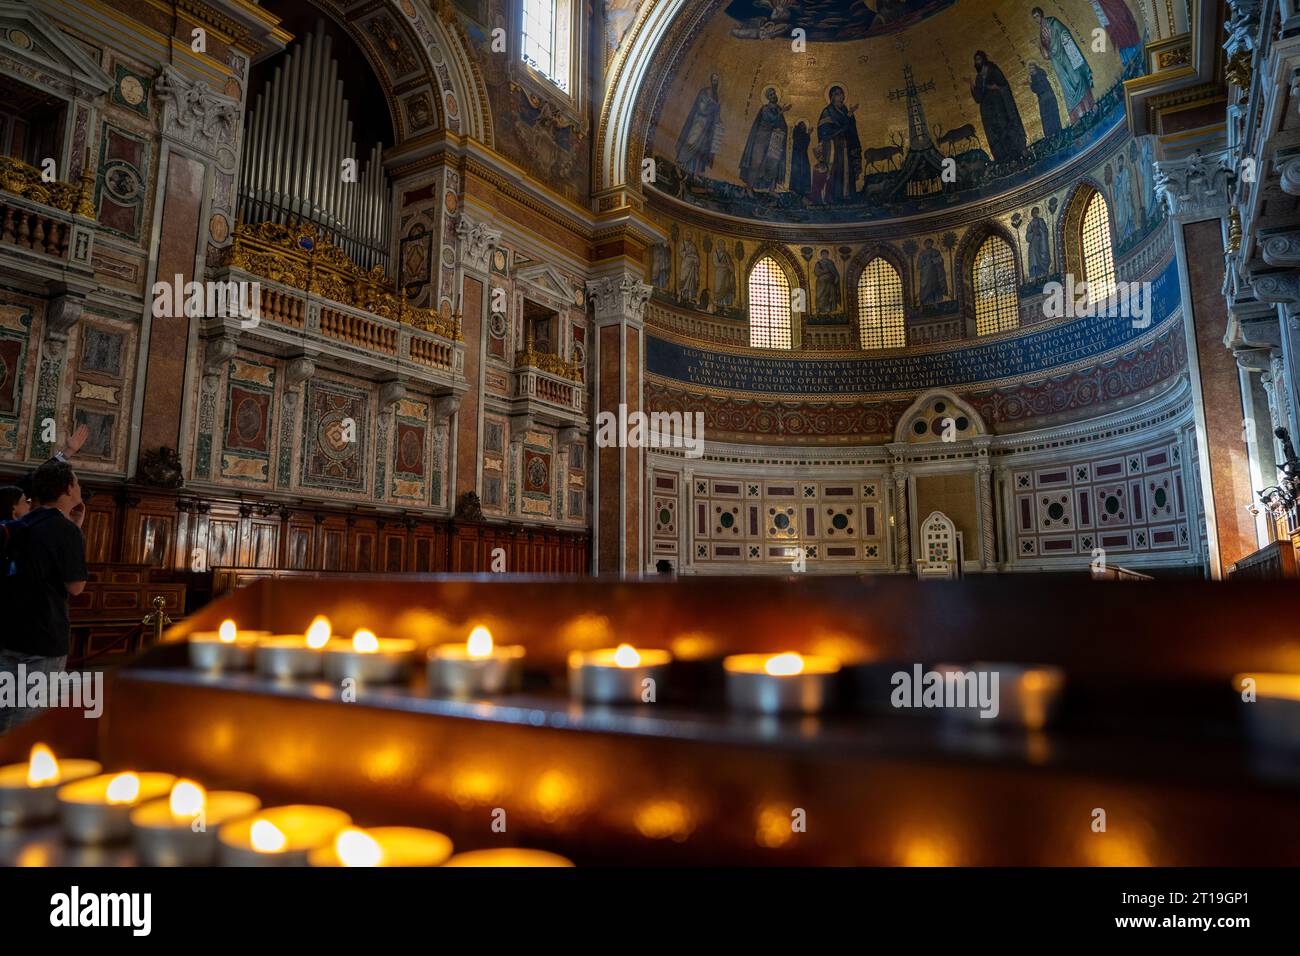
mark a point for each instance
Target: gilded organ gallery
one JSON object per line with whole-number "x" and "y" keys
{"x": 652, "y": 419}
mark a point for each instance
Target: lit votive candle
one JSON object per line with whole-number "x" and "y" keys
{"x": 28, "y": 791}
{"x": 1025, "y": 696}
{"x": 508, "y": 856}
{"x": 617, "y": 675}
{"x": 384, "y": 846}
{"x": 181, "y": 829}
{"x": 479, "y": 666}
{"x": 225, "y": 649}
{"x": 779, "y": 683}
{"x": 98, "y": 809}
{"x": 1272, "y": 703}
{"x": 281, "y": 836}
{"x": 294, "y": 655}
{"x": 369, "y": 659}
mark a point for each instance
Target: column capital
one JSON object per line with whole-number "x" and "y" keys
{"x": 1282, "y": 286}
{"x": 1281, "y": 248}
{"x": 195, "y": 115}
{"x": 1287, "y": 166}
{"x": 475, "y": 243}
{"x": 618, "y": 298}
{"x": 1196, "y": 187}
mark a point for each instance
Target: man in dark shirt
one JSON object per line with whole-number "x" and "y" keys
{"x": 49, "y": 565}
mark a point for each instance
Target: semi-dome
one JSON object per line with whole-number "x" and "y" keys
{"x": 842, "y": 111}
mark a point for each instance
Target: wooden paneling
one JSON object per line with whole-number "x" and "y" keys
{"x": 162, "y": 530}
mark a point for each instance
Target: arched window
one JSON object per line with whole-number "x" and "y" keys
{"x": 880, "y": 306}
{"x": 1095, "y": 246}
{"x": 769, "y": 306}
{"x": 993, "y": 280}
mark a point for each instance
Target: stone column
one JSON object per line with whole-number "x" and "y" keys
{"x": 902, "y": 513}
{"x": 61, "y": 316}
{"x": 1195, "y": 191}
{"x": 984, "y": 489}
{"x": 618, "y": 519}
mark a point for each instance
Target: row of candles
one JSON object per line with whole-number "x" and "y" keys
{"x": 767, "y": 683}
{"x": 177, "y": 822}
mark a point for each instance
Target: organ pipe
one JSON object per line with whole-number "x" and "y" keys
{"x": 297, "y": 140}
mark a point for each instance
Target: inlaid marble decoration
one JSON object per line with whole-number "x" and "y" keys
{"x": 246, "y": 442}
{"x": 336, "y": 435}
{"x": 100, "y": 443}
{"x": 409, "y": 449}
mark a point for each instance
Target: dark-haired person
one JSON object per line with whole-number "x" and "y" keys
{"x": 48, "y": 566}
{"x": 13, "y": 503}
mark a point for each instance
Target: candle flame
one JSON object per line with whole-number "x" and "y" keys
{"x": 365, "y": 642}
{"x": 227, "y": 632}
{"x": 358, "y": 848}
{"x": 188, "y": 799}
{"x": 480, "y": 643}
{"x": 318, "y": 634}
{"x": 784, "y": 665}
{"x": 266, "y": 837}
{"x": 627, "y": 656}
{"x": 42, "y": 768}
{"x": 124, "y": 788}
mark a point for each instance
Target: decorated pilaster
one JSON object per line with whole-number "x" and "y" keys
{"x": 902, "y": 513}
{"x": 1195, "y": 191}
{"x": 475, "y": 242}
{"x": 200, "y": 144}
{"x": 618, "y": 302}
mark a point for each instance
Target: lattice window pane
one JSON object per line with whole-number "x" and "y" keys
{"x": 997, "y": 301}
{"x": 880, "y": 307}
{"x": 546, "y": 39}
{"x": 769, "y": 306}
{"x": 1094, "y": 239}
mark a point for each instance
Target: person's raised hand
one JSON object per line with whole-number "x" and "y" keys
{"x": 76, "y": 440}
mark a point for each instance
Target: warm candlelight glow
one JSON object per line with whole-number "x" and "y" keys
{"x": 358, "y": 848}
{"x": 626, "y": 656}
{"x": 124, "y": 788}
{"x": 365, "y": 642}
{"x": 318, "y": 634}
{"x": 42, "y": 768}
{"x": 187, "y": 799}
{"x": 784, "y": 665}
{"x": 479, "y": 644}
{"x": 227, "y": 632}
{"x": 266, "y": 837}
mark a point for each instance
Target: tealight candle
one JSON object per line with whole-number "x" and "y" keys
{"x": 1273, "y": 712}
{"x": 1026, "y": 695}
{"x": 181, "y": 829}
{"x": 780, "y": 683}
{"x": 616, "y": 675}
{"x": 384, "y": 846}
{"x": 281, "y": 836}
{"x": 28, "y": 791}
{"x": 508, "y": 856}
{"x": 478, "y": 666}
{"x": 369, "y": 659}
{"x": 225, "y": 649}
{"x": 98, "y": 809}
{"x": 294, "y": 655}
